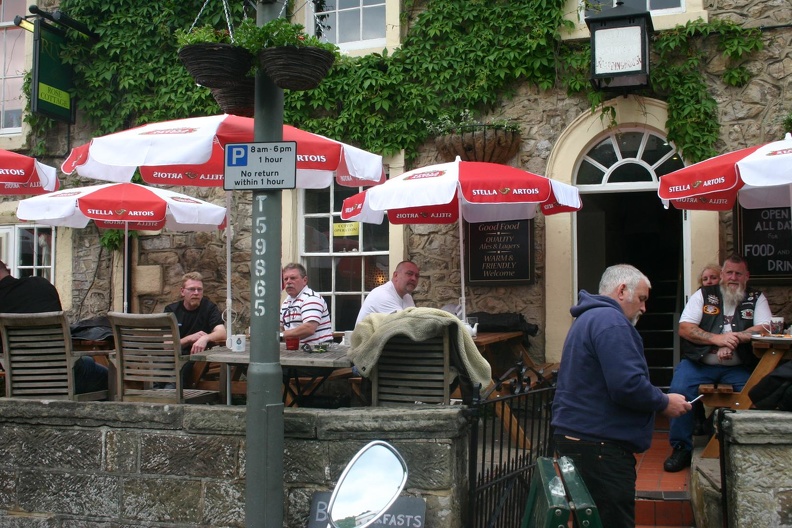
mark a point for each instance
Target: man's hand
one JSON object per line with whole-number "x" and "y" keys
{"x": 200, "y": 344}
{"x": 677, "y": 406}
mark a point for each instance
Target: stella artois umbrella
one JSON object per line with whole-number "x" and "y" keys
{"x": 122, "y": 206}
{"x": 20, "y": 174}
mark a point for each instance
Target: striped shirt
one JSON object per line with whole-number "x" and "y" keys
{"x": 307, "y": 307}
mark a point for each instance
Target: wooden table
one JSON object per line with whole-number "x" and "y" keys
{"x": 770, "y": 351}
{"x": 501, "y": 349}
{"x": 322, "y": 364}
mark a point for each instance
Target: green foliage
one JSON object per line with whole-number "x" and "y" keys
{"x": 202, "y": 35}
{"x": 456, "y": 54}
{"x": 788, "y": 123}
{"x": 678, "y": 73}
{"x": 458, "y": 122}
{"x": 112, "y": 239}
{"x": 276, "y": 33}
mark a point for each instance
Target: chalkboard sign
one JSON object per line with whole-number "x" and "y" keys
{"x": 407, "y": 512}
{"x": 764, "y": 238}
{"x": 500, "y": 253}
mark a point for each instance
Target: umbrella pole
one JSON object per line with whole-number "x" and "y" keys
{"x": 462, "y": 259}
{"x": 228, "y": 235}
{"x": 126, "y": 256}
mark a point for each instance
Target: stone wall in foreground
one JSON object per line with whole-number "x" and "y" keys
{"x": 759, "y": 468}
{"x": 66, "y": 464}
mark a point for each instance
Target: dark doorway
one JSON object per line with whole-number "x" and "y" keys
{"x": 634, "y": 228}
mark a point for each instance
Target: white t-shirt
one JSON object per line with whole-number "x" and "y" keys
{"x": 384, "y": 299}
{"x": 694, "y": 311}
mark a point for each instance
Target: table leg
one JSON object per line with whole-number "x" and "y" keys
{"x": 225, "y": 383}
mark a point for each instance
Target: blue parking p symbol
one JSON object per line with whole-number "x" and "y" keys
{"x": 236, "y": 156}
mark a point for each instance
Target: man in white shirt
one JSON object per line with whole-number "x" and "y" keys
{"x": 715, "y": 327}
{"x": 304, "y": 312}
{"x": 394, "y": 295}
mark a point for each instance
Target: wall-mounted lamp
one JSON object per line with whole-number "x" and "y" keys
{"x": 620, "y": 48}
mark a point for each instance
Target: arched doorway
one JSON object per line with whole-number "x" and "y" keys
{"x": 623, "y": 221}
{"x": 695, "y": 232}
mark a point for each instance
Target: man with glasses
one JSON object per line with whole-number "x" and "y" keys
{"x": 304, "y": 313}
{"x": 200, "y": 320}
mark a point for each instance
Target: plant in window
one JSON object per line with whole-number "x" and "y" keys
{"x": 460, "y": 134}
{"x": 293, "y": 59}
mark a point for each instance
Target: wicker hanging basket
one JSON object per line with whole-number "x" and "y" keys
{"x": 294, "y": 68}
{"x": 216, "y": 65}
{"x": 483, "y": 143}
{"x": 238, "y": 99}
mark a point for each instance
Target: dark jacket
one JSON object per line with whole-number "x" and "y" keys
{"x": 604, "y": 392}
{"x": 32, "y": 294}
{"x": 712, "y": 321}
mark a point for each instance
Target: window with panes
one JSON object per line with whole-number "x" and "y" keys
{"x": 656, "y": 7}
{"x": 13, "y": 51}
{"x": 344, "y": 260}
{"x": 350, "y": 24}
{"x": 28, "y": 250}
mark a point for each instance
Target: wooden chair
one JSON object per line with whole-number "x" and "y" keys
{"x": 410, "y": 372}
{"x": 37, "y": 357}
{"x": 148, "y": 355}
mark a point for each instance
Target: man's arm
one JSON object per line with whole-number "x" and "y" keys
{"x": 693, "y": 333}
{"x": 201, "y": 339}
{"x": 306, "y": 329}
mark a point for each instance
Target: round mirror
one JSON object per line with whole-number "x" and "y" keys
{"x": 369, "y": 485}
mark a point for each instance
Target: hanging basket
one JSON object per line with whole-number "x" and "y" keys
{"x": 483, "y": 143}
{"x": 294, "y": 68}
{"x": 238, "y": 99}
{"x": 216, "y": 65}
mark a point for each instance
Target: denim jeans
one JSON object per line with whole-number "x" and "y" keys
{"x": 688, "y": 375}
{"x": 609, "y": 473}
{"x": 89, "y": 376}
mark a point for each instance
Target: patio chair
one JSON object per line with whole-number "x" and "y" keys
{"x": 38, "y": 359}
{"x": 149, "y": 356}
{"x": 410, "y": 372}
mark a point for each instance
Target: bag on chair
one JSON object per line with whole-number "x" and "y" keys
{"x": 774, "y": 391}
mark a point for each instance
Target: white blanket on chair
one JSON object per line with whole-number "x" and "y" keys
{"x": 418, "y": 324}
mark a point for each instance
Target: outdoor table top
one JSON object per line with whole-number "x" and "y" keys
{"x": 487, "y": 338}
{"x": 335, "y": 357}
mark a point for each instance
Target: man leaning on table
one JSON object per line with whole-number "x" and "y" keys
{"x": 304, "y": 313}
{"x": 715, "y": 327}
{"x": 395, "y": 295}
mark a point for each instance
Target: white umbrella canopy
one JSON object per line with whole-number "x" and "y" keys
{"x": 20, "y": 174}
{"x": 756, "y": 177}
{"x": 190, "y": 152}
{"x": 448, "y": 192}
{"x": 122, "y": 205}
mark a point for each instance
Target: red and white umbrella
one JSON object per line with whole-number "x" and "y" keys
{"x": 756, "y": 177}
{"x": 190, "y": 152}
{"x": 476, "y": 191}
{"x": 122, "y": 205}
{"x": 20, "y": 174}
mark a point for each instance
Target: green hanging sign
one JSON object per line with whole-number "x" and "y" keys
{"x": 52, "y": 80}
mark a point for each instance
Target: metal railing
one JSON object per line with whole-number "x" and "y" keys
{"x": 508, "y": 433}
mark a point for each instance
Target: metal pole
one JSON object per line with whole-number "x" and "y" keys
{"x": 264, "y": 462}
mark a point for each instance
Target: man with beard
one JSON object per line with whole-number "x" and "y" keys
{"x": 604, "y": 407}
{"x": 715, "y": 328}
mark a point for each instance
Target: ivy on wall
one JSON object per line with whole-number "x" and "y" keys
{"x": 456, "y": 54}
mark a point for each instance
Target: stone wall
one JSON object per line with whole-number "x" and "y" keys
{"x": 759, "y": 468}
{"x": 67, "y": 464}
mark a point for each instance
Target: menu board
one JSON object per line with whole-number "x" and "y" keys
{"x": 500, "y": 253}
{"x": 764, "y": 238}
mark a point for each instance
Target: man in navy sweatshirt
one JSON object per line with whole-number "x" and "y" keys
{"x": 604, "y": 407}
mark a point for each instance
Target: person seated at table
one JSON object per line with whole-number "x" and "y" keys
{"x": 36, "y": 294}
{"x": 200, "y": 320}
{"x": 715, "y": 327}
{"x": 304, "y": 313}
{"x": 393, "y": 296}
{"x": 709, "y": 276}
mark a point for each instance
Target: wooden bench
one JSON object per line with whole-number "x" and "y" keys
{"x": 716, "y": 394}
